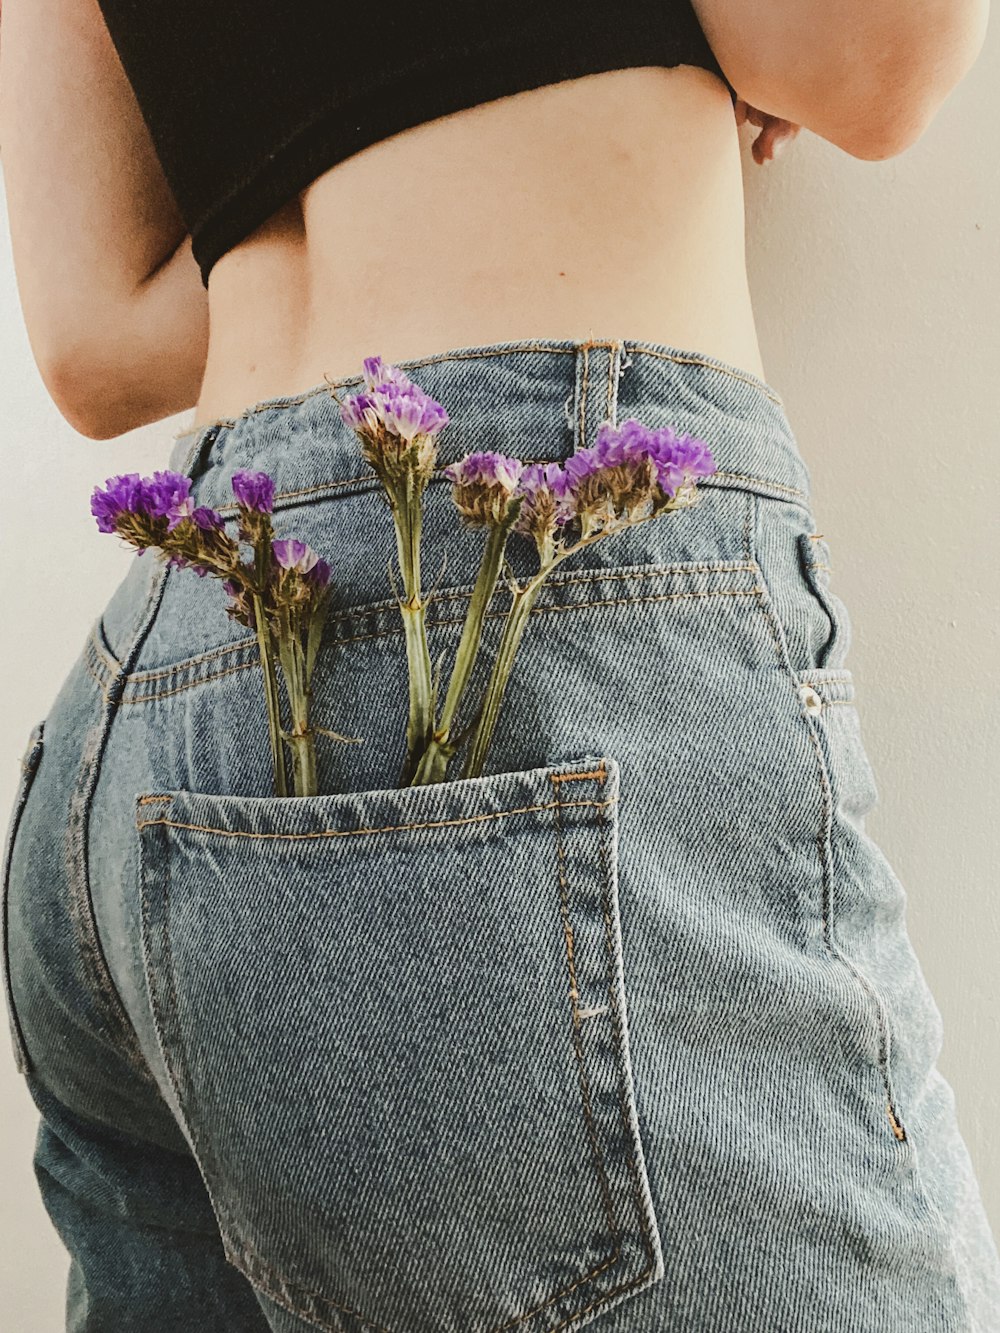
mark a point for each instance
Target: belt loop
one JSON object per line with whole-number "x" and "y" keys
{"x": 598, "y": 364}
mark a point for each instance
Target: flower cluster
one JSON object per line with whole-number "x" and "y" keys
{"x": 281, "y": 591}
{"x": 630, "y": 474}
{"x": 396, "y": 422}
{"x": 482, "y": 487}
{"x": 159, "y": 512}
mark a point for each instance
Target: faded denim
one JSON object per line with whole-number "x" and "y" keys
{"x": 628, "y": 1032}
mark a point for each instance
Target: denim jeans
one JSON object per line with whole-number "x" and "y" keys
{"x": 626, "y": 1032}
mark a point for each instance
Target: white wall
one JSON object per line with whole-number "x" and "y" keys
{"x": 877, "y": 289}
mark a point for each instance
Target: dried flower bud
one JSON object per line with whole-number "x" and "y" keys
{"x": 254, "y": 490}
{"x": 482, "y": 486}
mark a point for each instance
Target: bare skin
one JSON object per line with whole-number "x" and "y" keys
{"x": 605, "y": 206}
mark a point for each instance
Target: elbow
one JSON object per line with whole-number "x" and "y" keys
{"x": 103, "y": 398}
{"x": 86, "y": 402}
{"x": 908, "y": 87}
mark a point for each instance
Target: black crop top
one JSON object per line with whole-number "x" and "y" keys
{"x": 247, "y": 105}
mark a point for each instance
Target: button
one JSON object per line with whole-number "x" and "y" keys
{"x": 812, "y": 701}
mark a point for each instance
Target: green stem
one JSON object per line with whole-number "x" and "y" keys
{"x": 517, "y": 620}
{"x": 270, "y": 697}
{"x": 300, "y": 738}
{"x": 407, "y": 518}
{"x": 434, "y": 762}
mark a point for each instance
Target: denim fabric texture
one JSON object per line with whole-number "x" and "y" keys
{"x": 627, "y": 1032}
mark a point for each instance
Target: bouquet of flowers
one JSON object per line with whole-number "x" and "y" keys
{"x": 282, "y": 589}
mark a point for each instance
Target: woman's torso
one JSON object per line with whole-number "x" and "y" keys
{"x": 609, "y": 205}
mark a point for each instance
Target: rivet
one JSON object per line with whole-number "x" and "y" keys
{"x": 812, "y": 701}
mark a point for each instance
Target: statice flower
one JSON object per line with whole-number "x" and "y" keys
{"x": 209, "y": 520}
{"x": 397, "y": 423}
{"x": 282, "y": 592}
{"x": 547, "y": 504}
{"x": 680, "y": 460}
{"x": 254, "y": 490}
{"x": 121, "y": 495}
{"x": 633, "y": 472}
{"x": 482, "y": 487}
{"x": 295, "y": 555}
{"x": 168, "y": 495}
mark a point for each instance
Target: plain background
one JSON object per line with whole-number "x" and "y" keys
{"x": 877, "y": 292}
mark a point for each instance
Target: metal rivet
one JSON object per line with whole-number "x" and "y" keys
{"x": 813, "y": 702}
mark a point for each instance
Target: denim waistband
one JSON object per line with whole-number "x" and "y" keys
{"x": 538, "y": 400}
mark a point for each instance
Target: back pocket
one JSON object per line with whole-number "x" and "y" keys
{"x": 394, "y": 1026}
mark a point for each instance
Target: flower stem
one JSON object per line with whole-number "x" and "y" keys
{"x": 270, "y": 697}
{"x": 407, "y": 516}
{"x": 300, "y": 738}
{"x": 434, "y": 762}
{"x": 517, "y": 620}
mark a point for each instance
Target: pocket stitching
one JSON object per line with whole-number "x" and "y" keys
{"x": 387, "y": 828}
{"x": 238, "y": 1251}
{"x": 679, "y": 573}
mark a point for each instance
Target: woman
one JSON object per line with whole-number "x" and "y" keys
{"x": 627, "y": 1031}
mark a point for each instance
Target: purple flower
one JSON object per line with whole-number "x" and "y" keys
{"x": 209, "y": 520}
{"x": 377, "y": 372}
{"x": 547, "y": 504}
{"x": 359, "y": 411}
{"x": 320, "y": 573}
{"x": 394, "y": 403}
{"x": 121, "y": 495}
{"x": 292, "y": 554}
{"x": 631, "y": 472}
{"x": 482, "y": 485}
{"x": 678, "y": 459}
{"x": 254, "y": 490}
{"x": 485, "y": 469}
{"x": 168, "y": 495}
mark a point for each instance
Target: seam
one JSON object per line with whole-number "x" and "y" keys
{"x": 582, "y": 419}
{"x": 293, "y": 400}
{"x": 352, "y": 832}
{"x": 30, "y": 765}
{"x": 717, "y": 481}
{"x": 361, "y": 612}
{"x": 158, "y": 1016}
{"x": 757, "y": 481}
{"x": 574, "y": 997}
{"x": 452, "y": 620}
{"x": 101, "y": 685}
{"x": 179, "y": 689}
{"x": 117, "y": 1026}
{"x": 111, "y": 664}
{"x": 455, "y": 594}
{"x": 825, "y": 851}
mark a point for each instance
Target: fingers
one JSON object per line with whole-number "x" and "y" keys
{"x": 775, "y": 132}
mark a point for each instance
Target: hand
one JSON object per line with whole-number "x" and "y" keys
{"x": 774, "y": 132}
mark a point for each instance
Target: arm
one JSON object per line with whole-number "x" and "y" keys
{"x": 96, "y": 236}
{"x": 867, "y": 75}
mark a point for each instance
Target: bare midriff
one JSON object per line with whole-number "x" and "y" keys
{"x": 609, "y": 206}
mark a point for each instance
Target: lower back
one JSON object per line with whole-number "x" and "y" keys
{"x": 604, "y": 206}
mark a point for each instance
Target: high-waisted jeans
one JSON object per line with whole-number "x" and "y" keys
{"x": 628, "y": 1031}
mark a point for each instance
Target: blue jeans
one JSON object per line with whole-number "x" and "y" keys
{"x": 627, "y": 1032}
